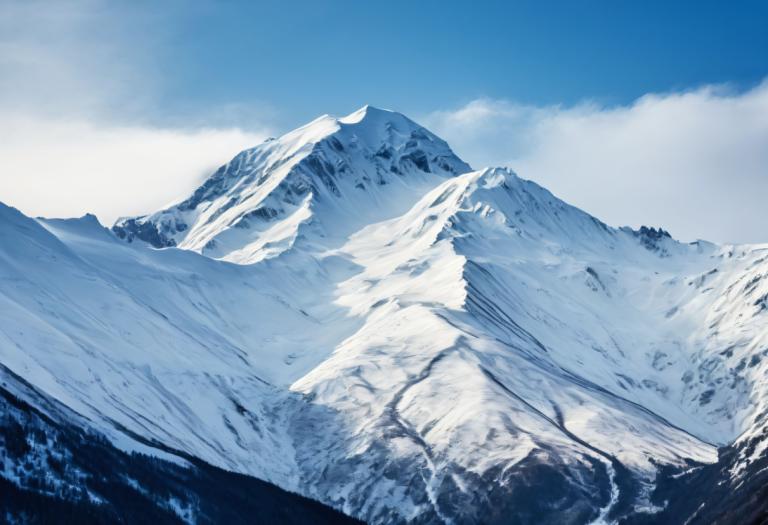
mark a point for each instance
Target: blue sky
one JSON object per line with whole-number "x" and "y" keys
{"x": 639, "y": 112}
{"x": 429, "y": 55}
{"x": 303, "y": 57}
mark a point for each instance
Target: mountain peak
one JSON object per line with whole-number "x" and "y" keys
{"x": 365, "y": 112}
{"x": 365, "y": 166}
{"x": 368, "y": 121}
{"x": 370, "y": 114}
{"x": 379, "y": 127}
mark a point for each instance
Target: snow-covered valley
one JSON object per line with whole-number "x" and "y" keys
{"x": 354, "y": 314}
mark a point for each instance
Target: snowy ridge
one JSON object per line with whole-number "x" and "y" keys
{"x": 398, "y": 336}
{"x": 328, "y": 175}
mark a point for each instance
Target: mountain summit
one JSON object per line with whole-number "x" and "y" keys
{"x": 329, "y": 175}
{"x": 400, "y": 337}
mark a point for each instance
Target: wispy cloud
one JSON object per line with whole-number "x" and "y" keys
{"x": 693, "y": 162}
{"x": 67, "y": 168}
{"x": 80, "y": 130}
{"x": 76, "y": 57}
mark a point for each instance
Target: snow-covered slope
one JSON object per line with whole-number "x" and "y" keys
{"x": 57, "y": 469}
{"x": 325, "y": 179}
{"x": 350, "y": 312}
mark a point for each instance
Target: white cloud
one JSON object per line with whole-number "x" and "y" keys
{"x": 65, "y": 168}
{"x": 85, "y": 57}
{"x": 80, "y": 130}
{"x": 695, "y": 163}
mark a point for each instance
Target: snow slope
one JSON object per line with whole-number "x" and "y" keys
{"x": 325, "y": 179}
{"x": 350, "y": 312}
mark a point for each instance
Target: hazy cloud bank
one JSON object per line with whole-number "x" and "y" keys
{"x": 79, "y": 127}
{"x": 695, "y": 163}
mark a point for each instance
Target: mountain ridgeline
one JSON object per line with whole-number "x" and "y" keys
{"x": 349, "y": 322}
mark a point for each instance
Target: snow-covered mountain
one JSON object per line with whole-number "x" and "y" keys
{"x": 324, "y": 180}
{"x": 352, "y": 313}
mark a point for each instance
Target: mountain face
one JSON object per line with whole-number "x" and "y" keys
{"x": 351, "y": 313}
{"x": 56, "y": 470}
{"x": 326, "y": 179}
